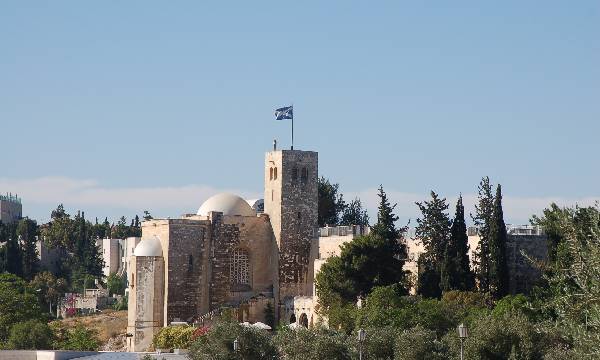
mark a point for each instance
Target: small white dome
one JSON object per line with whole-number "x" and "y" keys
{"x": 228, "y": 204}
{"x": 148, "y": 247}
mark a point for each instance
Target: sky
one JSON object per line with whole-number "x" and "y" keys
{"x": 118, "y": 107}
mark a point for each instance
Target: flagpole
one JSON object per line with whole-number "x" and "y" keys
{"x": 292, "y": 126}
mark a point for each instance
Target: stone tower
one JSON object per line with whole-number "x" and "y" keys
{"x": 291, "y": 201}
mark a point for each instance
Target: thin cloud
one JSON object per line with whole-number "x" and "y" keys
{"x": 41, "y": 195}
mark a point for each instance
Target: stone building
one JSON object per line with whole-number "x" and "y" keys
{"x": 11, "y": 208}
{"x": 228, "y": 253}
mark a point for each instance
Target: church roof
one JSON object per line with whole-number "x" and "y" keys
{"x": 148, "y": 247}
{"x": 228, "y": 204}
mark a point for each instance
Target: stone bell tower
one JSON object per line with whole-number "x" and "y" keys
{"x": 291, "y": 201}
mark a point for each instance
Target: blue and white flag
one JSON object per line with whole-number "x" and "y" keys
{"x": 284, "y": 113}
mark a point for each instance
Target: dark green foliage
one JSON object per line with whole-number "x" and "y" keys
{"x": 331, "y": 204}
{"x": 428, "y": 282}
{"x": 316, "y": 344}
{"x": 456, "y": 272}
{"x": 364, "y": 263}
{"x": 497, "y": 245}
{"x": 48, "y": 288}
{"x": 217, "y": 343}
{"x": 78, "y": 338}
{"x": 27, "y": 232}
{"x": 269, "y": 315}
{"x": 511, "y": 336}
{"x": 554, "y": 221}
{"x": 354, "y": 214}
{"x": 12, "y": 257}
{"x": 433, "y": 230}
{"x": 18, "y": 303}
{"x": 115, "y": 284}
{"x": 30, "y": 335}
{"x": 419, "y": 343}
{"x": 483, "y": 219}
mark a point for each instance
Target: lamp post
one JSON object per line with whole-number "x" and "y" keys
{"x": 462, "y": 334}
{"x": 236, "y": 345}
{"x": 362, "y": 335}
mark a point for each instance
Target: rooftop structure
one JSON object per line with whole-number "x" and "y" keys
{"x": 10, "y": 208}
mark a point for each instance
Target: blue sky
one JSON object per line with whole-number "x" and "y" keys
{"x": 116, "y": 107}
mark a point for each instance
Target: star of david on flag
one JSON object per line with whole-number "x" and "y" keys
{"x": 284, "y": 113}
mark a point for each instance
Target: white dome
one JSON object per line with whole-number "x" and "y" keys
{"x": 148, "y": 247}
{"x": 228, "y": 204}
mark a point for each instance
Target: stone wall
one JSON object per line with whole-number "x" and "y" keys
{"x": 187, "y": 264}
{"x": 523, "y": 274}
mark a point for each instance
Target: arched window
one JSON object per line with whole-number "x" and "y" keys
{"x": 275, "y": 174}
{"x": 304, "y": 320}
{"x": 304, "y": 176}
{"x": 294, "y": 174}
{"x": 240, "y": 267}
{"x": 271, "y": 174}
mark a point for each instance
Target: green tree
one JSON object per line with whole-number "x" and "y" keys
{"x": 217, "y": 343}
{"x": 174, "y": 337}
{"x": 147, "y": 215}
{"x": 354, "y": 214}
{"x": 497, "y": 245}
{"x": 30, "y": 335}
{"x": 17, "y": 304}
{"x": 419, "y": 343}
{"x": 314, "y": 344}
{"x": 27, "y": 231}
{"x": 78, "y": 338}
{"x": 554, "y": 221}
{"x": 483, "y": 219}
{"x": 115, "y": 284}
{"x": 456, "y": 272}
{"x": 571, "y": 299}
{"x": 331, "y": 204}
{"x": 49, "y": 288}
{"x": 433, "y": 230}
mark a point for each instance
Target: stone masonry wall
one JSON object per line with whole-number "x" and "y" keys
{"x": 225, "y": 238}
{"x": 295, "y": 214}
{"x": 186, "y": 269}
{"x": 523, "y": 274}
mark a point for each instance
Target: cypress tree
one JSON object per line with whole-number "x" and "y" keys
{"x": 456, "y": 271}
{"x": 497, "y": 243}
{"x": 433, "y": 230}
{"x": 483, "y": 219}
{"x": 27, "y": 231}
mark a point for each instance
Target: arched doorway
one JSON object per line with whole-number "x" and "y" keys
{"x": 292, "y": 319}
{"x": 304, "y": 320}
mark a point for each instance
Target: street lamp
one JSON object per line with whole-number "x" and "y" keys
{"x": 362, "y": 335}
{"x": 462, "y": 334}
{"x": 236, "y": 345}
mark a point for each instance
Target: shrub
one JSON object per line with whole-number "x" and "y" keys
{"x": 419, "y": 343}
{"x": 30, "y": 335}
{"x": 510, "y": 336}
{"x": 217, "y": 343}
{"x": 174, "y": 337}
{"x": 314, "y": 344}
{"x": 79, "y": 338}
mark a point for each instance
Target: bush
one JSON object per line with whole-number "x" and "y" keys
{"x": 79, "y": 338}
{"x": 174, "y": 337}
{"x": 510, "y": 336}
{"x": 314, "y": 344}
{"x": 379, "y": 343}
{"x": 419, "y": 343}
{"x": 217, "y": 343}
{"x": 30, "y": 335}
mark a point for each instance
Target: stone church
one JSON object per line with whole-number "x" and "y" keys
{"x": 228, "y": 254}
